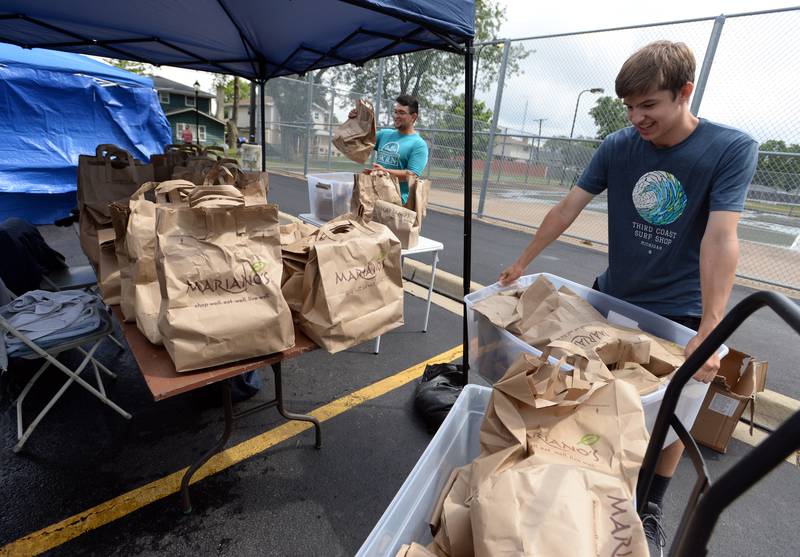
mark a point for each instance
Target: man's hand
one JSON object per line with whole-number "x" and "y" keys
{"x": 376, "y": 166}
{"x": 510, "y": 274}
{"x": 352, "y": 114}
{"x": 709, "y": 370}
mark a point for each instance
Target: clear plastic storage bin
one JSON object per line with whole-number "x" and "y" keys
{"x": 329, "y": 194}
{"x": 492, "y": 350}
{"x": 455, "y": 444}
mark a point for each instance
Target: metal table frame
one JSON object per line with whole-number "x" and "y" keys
{"x": 164, "y": 382}
{"x": 425, "y": 245}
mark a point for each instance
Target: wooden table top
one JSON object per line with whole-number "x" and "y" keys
{"x": 163, "y": 381}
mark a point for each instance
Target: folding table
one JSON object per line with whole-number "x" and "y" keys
{"x": 164, "y": 382}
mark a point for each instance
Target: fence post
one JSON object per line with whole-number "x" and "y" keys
{"x": 330, "y": 126}
{"x": 708, "y": 59}
{"x": 498, "y": 99}
{"x": 379, "y": 92}
{"x": 310, "y": 119}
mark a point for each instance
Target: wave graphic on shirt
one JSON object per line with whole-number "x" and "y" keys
{"x": 659, "y": 197}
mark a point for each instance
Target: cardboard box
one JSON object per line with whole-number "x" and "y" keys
{"x": 738, "y": 380}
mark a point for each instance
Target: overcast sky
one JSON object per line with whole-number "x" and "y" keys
{"x": 753, "y": 83}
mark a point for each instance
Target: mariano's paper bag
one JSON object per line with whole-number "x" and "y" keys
{"x": 560, "y": 456}
{"x": 356, "y": 137}
{"x": 352, "y": 287}
{"x": 141, "y": 245}
{"x": 406, "y": 220}
{"x": 219, "y": 269}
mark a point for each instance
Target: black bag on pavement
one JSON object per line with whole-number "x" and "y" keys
{"x": 436, "y": 393}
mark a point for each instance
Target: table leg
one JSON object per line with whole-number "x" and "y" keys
{"x": 430, "y": 290}
{"x": 227, "y": 406}
{"x": 276, "y": 368}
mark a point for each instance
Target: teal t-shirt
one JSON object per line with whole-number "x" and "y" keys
{"x": 401, "y": 152}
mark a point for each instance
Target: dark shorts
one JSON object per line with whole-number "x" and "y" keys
{"x": 691, "y": 321}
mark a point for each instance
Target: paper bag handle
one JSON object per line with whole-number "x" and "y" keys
{"x": 219, "y": 172}
{"x": 173, "y": 191}
{"x": 216, "y": 196}
{"x": 331, "y": 229}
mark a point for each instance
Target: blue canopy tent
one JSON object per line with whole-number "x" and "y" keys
{"x": 55, "y": 106}
{"x": 256, "y": 40}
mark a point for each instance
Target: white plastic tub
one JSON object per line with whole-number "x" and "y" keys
{"x": 329, "y": 194}
{"x": 492, "y": 350}
{"x": 455, "y": 444}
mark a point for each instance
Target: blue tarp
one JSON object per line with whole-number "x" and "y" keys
{"x": 255, "y": 40}
{"x": 55, "y": 106}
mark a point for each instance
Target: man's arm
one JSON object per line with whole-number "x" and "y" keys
{"x": 554, "y": 224}
{"x": 719, "y": 253}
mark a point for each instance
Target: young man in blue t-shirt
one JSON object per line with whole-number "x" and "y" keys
{"x": 401, "y": 151}
{"x": 676, "y": 185}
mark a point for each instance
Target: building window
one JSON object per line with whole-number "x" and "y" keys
{"x": 202, "y": 135}
{"x": 189, "y": 101}
{"x": 163, "y": 97}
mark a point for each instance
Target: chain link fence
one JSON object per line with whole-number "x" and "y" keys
{"x": 542, "y": 124}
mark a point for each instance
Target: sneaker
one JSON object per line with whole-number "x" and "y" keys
{"x": 653, "y": 530}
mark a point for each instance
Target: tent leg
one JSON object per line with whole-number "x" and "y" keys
{"x": 467, "y": 271}
{"x": 263, "y": 127}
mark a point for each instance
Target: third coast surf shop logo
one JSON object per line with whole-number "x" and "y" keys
{"x": 659, "y": 197}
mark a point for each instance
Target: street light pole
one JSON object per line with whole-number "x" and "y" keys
{"x": 574, "y": 117}
{"x": 196, "y": 112}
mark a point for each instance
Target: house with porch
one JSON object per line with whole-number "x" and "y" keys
{"x": 183, "y": 107}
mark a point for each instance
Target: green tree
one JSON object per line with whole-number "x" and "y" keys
{"x": 451, "y": 117}
{"x": 776, "y": 170}
{"x": 291, "y": 100}
{"x": 130, "y": 66}
{"x": 609, "y": 116}
{"x": 432, "y": 75}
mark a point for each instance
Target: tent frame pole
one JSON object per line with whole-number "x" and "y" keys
{"x": 469, "y": 53}
{"x": 263, "y": 125}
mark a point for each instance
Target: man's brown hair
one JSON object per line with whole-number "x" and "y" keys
{"x": 657, "y": 66}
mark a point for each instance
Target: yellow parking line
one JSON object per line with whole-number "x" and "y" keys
{"x": 61, "y": 532}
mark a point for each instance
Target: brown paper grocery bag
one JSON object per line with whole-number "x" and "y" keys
{"x": 108, "y": 277}
{"x": 120, "y": 214}
{"x": 405, "y": 221}
{"x": 356, "y": 137}
{"x": 560, "y": 455}
{"x": 296, "y": 241}
{"x": 196, "y": 166}
{"x": 174, "y": 155}
{"x": 141, "y": 244}
{"x": 369, "y": 188}
{"x": 219, "y": 269}
{"x": 254, "y": 185}
{"x": 352, "y": 287}
{"x": 111, "y": 174}
{"x": 578, "y": 476}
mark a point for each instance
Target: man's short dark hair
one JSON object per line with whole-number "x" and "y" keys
{"x": 410, "y": 102}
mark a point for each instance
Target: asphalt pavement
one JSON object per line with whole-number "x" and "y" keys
{"x": 72, "y": 488}
{"x": 764, "y": 335}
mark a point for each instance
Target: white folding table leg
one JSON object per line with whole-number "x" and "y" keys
{"x": 377, "y": 345}
{"x": 430, "y": 290}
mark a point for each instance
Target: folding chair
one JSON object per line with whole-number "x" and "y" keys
{"x": 50, "y": 354}
{"x": 81, "y": 277}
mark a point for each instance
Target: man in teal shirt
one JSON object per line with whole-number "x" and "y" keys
{"x": 401, "y": 151}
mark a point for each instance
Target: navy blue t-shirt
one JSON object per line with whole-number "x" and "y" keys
{"x": 659, "y": 201}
